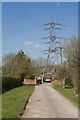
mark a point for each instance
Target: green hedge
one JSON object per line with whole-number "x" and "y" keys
{"x": 9, "y": 82}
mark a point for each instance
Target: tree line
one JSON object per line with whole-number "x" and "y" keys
{"x": 21, "y": 65}
{"x": 70, "y": 67}
{"x": 17, "y": 65}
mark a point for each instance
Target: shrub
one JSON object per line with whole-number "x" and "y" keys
{"x": 9, "y": 82}
{"x": 68, "y": 82}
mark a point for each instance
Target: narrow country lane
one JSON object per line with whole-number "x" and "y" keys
{"x": 45, "y": 102}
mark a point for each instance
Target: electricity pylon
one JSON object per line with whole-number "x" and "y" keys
{"x": 52, "y": 41}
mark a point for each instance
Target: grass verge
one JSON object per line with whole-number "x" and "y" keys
{"x": 14, "y": 101}
{"x": 0, "y": 107}
{"x": 68, "y": 93}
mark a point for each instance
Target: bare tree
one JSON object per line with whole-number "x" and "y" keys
{"x": 71, "y": 55}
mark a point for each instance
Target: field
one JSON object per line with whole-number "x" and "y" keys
{"x": 14, "y": 101}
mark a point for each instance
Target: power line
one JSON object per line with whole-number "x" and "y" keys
{"x": 32, "y": 28}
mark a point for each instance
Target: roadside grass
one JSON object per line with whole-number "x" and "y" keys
{"x": 68, "y": 93}
{"x": 14, "y": 100}
{"x": 0, "y": 107}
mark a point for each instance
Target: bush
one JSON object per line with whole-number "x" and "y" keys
{"x": 32, "y": 77}
{"x": 9, "y": 82}
{"x": 68, "y": 82}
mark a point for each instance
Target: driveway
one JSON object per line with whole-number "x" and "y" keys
{"x": 46, "y": 102}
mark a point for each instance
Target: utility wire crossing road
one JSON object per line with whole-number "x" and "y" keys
{"x": 46, "y": 102}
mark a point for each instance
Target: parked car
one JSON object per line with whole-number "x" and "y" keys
{"x": 48, "y": 79}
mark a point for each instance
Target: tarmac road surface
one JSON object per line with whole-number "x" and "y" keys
{"x": 46, "y": 102}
